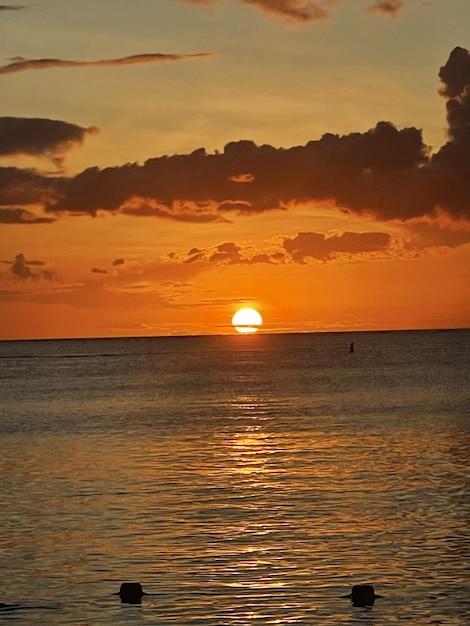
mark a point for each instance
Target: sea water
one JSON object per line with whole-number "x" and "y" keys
{"x": 241, "y": 479}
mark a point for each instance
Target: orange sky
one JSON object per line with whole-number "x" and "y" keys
{"x": 162, "y": 166}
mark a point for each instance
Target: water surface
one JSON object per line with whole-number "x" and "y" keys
{"x": 242, "y": 480}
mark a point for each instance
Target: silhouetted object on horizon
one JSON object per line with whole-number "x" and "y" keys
{"x": 131, "y": 593}
{"x": 351, "y": 347}
{"x": 363, "y": 595}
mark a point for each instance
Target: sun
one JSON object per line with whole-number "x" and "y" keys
{"x": 247, "y": 320}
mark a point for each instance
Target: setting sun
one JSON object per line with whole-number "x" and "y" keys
{"x": 247, "y": 320}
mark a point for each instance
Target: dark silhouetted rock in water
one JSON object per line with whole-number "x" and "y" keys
{"x": 131, "y": 593}
{"x": 363, "y": 595}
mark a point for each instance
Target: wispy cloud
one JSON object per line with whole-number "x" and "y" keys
{"x": 295, "y": 10}
{"x": 290, "y": 10}
{"x": 303, "y": 11}
{"x": 390, "y": 8}
{"x": 19, "y": 64}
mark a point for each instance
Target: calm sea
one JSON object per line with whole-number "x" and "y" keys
{"x": 241, "y": 479}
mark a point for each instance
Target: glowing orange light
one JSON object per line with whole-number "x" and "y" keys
{"x": 247, "y": 320}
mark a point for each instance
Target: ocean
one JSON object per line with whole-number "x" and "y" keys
{"x": 242, "y": 480}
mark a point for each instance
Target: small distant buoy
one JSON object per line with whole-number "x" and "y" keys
{"x": 363, "y": 595}
{"x": 131, "y": 593}
{"x": 351, "y": 346}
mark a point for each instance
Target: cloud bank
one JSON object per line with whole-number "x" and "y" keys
{"x": 19, "y": 64}
{"x": 386, "y": 173}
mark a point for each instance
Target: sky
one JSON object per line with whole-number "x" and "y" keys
{"x": 165, "y": 162}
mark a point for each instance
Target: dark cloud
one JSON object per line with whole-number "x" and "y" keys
{"x": 19, "y": 64}
{"x": 19, "y": 186}
{"x": 118, "y": 262}
{"x": 380, "y": 172}
{"x": 453, "y": 160}
{"x": 40, "y": 137}
{"x": 21, "y": 269}
{"x": 455, "y": 76}
{"x": 391, "y": 8}
{"x": 317, "y": 246}
{"x": 228, "y": 253}
{"x": 97, "y": 270}
{"x": 386, "y": 172}
{"x": 16, "y": 215}
{"x": 188, "y": 211}
{"x": 9, "y": 7}
{"x": 426, "y": 234}
{"x": 302, "y": 248}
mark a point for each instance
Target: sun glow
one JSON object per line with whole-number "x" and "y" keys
{"x": 247, "y": 320}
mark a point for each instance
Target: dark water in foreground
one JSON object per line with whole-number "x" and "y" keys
{"x": 242, "y": 480}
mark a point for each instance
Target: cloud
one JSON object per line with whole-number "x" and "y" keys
{"x": 317, "y": 246}
{"x": 118, "y": 262}
{"x": 227, "y": 253}
{"x": 302, "y": 248}
{"x": 195, "y": 213}
{"x": 19, "y": 186}
{"x": 417, "y": 237}
{"x": 295, "y": 10}
{"x": 302, "y": 11}
{"x": 390, "y": 8}
{"x": 355, "y": 170}
{"x": 385, "y": 173}
{"x": 40, "y": 137}
{"x": 290, "y": 10}
{"x": 19, "y": 64}
{"x": 16, "y": 215}
{"x": 455, "y": 77}
{"x": 9, "y": 7}
{"x": 21, "y": 269}
{"x": 453, "y": 160}
{"x": 426, "y": 234}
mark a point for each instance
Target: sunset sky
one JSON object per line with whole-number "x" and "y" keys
{"x": 165, "y": 162}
